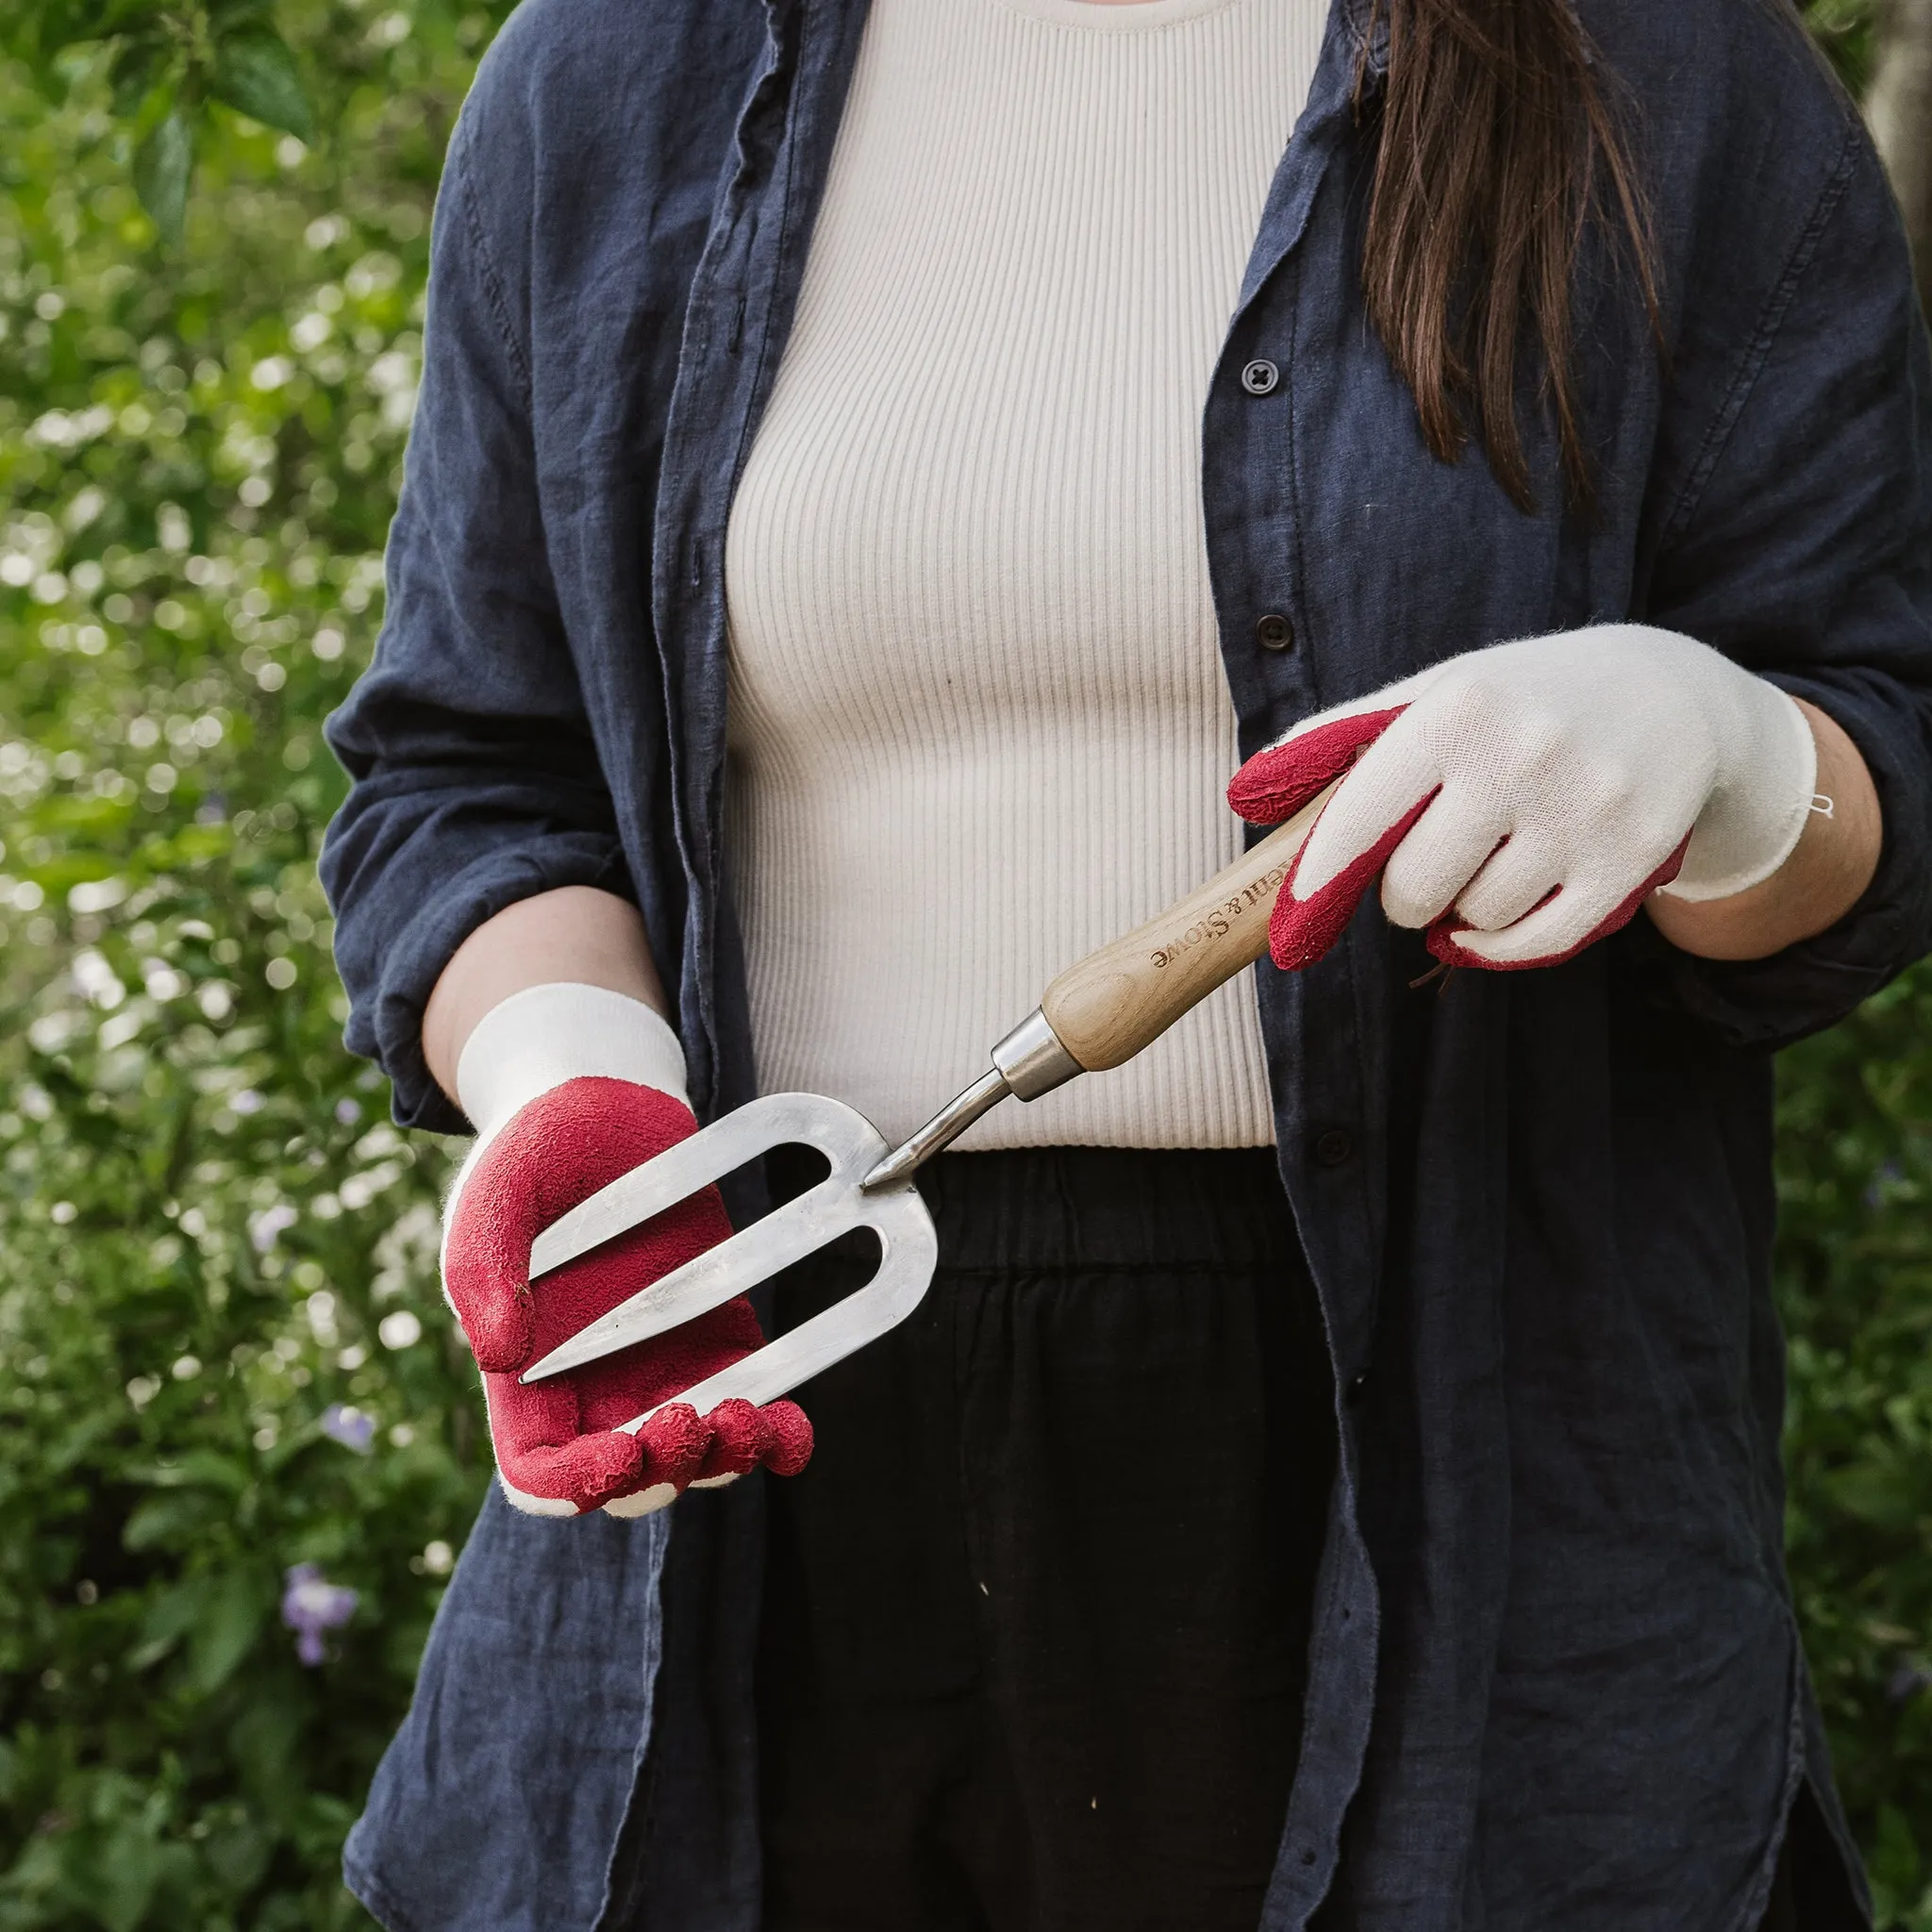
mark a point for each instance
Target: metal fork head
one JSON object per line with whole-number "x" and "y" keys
{"x": 835, "y": 1205}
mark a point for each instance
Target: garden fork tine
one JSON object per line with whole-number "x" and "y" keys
{"x": 835, "y": 1205}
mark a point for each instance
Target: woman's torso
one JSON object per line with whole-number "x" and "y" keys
{"x": 979, "y": 723}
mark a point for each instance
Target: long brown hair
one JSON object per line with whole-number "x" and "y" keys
{"x": 1500, "y": 143}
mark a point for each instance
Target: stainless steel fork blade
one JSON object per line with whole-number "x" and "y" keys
{"x": 778, "y": 1120}
{"x": 836, "y": 1206}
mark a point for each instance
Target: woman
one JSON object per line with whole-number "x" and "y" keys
{"x": 1333, "y": 1478}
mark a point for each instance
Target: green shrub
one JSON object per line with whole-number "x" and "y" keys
{"x": 216, "y": 1248}
{"x": 1854, "y": 1282}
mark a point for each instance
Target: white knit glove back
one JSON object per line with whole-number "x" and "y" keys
{"x": 1539, "y": 790}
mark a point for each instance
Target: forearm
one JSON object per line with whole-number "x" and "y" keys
{"x": 1829, "y": 868}
{"x": 574, "y": 933}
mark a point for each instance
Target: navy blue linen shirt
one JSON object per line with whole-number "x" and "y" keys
{"x": 1555, "y": 1678}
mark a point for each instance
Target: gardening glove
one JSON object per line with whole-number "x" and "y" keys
{"x": 1522, "y": 801}
{"x": 570, "y": 1086}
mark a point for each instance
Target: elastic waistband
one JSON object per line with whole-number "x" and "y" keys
{"x": 1111, "y": 1207}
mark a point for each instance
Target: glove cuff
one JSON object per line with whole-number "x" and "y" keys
{"x": 545, "y": 1034}
{"x": 1757, "y": 812}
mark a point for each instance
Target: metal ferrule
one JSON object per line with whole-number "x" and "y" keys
{"x": 1033, "y": 1059}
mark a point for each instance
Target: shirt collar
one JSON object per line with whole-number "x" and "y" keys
{"x": 1367, "y": 29}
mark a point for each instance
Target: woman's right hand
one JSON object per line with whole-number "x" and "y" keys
{"x": 568, "y": 1087}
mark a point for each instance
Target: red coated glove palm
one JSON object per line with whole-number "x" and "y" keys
{"x": 560, "y": 1445}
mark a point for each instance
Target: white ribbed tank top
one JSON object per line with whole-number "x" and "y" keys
{"x": 978, "y": 722}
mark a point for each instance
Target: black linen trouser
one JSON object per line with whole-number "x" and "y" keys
{"x": 1037, "y": 1614}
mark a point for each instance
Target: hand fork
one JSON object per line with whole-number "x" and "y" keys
{"x": 1098, "y": 1014}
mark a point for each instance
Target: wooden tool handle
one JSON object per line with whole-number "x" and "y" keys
{"x": 1117, "y": 1000}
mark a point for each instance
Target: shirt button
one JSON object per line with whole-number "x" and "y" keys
{"x": 1333, "y": 1147}
{"x": 1273, "y": 632}
{"x": 1260, "y": 378}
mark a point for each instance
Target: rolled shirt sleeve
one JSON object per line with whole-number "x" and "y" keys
{"x": 476, "y": 781}
{"x": 1800, "y": 541}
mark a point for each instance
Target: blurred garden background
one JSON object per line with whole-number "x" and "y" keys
{"x": 240, "y": 1444}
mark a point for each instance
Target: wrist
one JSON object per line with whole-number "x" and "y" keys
{"x": 579, "y": 934}
{"x": 545, "y": 1034}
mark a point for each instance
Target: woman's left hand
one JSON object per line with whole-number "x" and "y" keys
{"x": 1522, "y": 801}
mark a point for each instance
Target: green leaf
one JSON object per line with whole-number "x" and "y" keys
{"x": 39, "y": 31}
{"x": 118, "y": 1873}
{"x": 126, "y": 16}
{"x": 136, "y": 71}
{"x": 211, "y": 1470}
{"x": 231, "y": 1619}
{"x": 1879, "y": 1490}
{"x": 169, "y": 1619}
{"x": 239, "y": 1853}
{"x": 145, "y": 1656}
{"x": 162, "y": 164}
{"x": 207, "y": 1468}
{"x": 75, "y": 1443}
{"x": 1895, "y": 1856}
{"x": 266, "y": 1741}
{"x": 169, "y": 1521}
{"x": 117, "y": 1878}
{"x": 256, "y": 72}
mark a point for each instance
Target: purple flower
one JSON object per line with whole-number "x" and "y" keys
{"x": 352, "y": 1427}
{"x": 312, "y": 1605}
